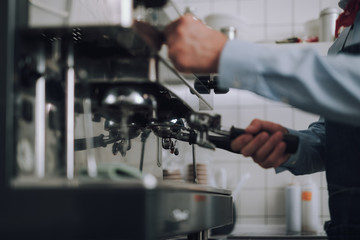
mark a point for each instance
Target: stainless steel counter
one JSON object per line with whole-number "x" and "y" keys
{"x": 271, "y": 232}
{"x": 287, "y": 237}
{"x": 264, "y": 232}
{"x": 309, "y": 237}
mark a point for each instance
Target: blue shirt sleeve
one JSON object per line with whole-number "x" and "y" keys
{"x": 328, "y": 86}
{"x": 309, "y": 157}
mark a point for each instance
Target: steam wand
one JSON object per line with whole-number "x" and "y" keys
{"x": 144, "y": 136}
{"x": 194, "y": 164}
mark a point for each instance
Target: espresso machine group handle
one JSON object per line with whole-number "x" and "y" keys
{"x": 98, "y": 141}
{"x": 224, "y": 142}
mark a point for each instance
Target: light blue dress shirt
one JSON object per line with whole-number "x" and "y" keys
{"x": 328, "y": 86}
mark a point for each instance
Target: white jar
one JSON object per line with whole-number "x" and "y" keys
{"x": 309, "y": 208}
{"x": 328, "y": 18}
{"x": 293, "y": 208}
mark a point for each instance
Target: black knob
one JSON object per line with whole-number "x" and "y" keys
{"x": 203, "y": 84}
{"x": 217, "y": 89}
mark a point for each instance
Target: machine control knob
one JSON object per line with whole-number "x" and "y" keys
{"x": 203, "y": 84}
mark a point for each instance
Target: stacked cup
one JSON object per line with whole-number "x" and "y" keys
{"x": 201, "y": 173}
{"x": 174, "y": 175}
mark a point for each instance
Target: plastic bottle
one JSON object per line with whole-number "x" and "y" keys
{"x": 293, "y": 208}
{"x": 309, "y": 207}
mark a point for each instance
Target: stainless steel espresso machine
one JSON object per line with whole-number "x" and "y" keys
{"x": 89, "y": 105}
{"x": 90, "y": 102}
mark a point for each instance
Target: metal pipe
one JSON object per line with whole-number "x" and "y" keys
{"x": 153, "y": 69}
{"x": 89, "y": 134}
{"x": 194, "y": 165}
{"x": 70, "y": 99}
{"x": 40, "y": 117}
{"x": 126, "y": 13}
{"x": 40, "y": 127}
{"x": 142, "y": 156}
{"x": 205, "y": 235}
{"x": 144, "y": 137}
{"x": 121, "y": 12}
{"x": 202, "y": 235}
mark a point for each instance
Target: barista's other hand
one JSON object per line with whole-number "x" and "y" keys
{"x": 266, "y": 148}
{"x": 193, "y": 46}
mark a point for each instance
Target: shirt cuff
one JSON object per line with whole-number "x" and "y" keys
{"x": 293, "y": 159}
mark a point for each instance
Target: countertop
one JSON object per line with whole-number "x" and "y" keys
{"x": 265, "y": 232}
{"x": 270, "y": 232}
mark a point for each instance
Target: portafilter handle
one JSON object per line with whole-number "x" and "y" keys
{"x": 205, "y": 123}
{"x": 225, "y": 140}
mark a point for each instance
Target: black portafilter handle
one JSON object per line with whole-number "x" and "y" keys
{"x": 151, "y": 3}
{"x": 80, "y": 144}
{"x": 223, "y": 142}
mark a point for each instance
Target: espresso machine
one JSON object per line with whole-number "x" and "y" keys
{"x": 91, "y": 102}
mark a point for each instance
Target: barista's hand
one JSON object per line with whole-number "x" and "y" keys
{"x": 193, "y": 46}
{"x": 266, "y": 148}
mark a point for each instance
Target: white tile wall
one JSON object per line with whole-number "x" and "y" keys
{"x": 253, "y": 11}
{"x": 305, "y": 10}
{"x": 275, "y": 204}
{"x": 257, "y": 178}
{"x": 279, "y": 12}
{"x": 257, "y": 198}
{"x": 227, "y": 6}
{"x": 266, "y": 19}
{"x": 262, "y": 197}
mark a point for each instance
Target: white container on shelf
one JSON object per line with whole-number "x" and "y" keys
{"x": 293, "y": 208}
{"x": 223, "y": 22}
{"x": 327, "y": 23}
{"x": 309, "y": 207}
